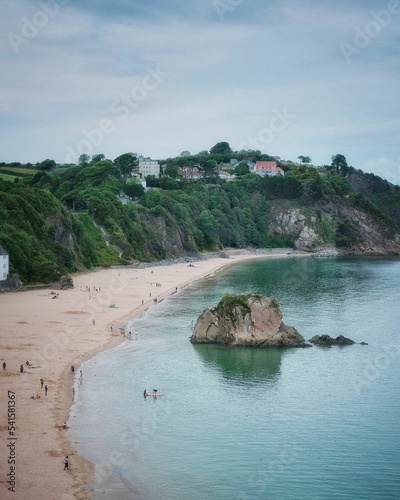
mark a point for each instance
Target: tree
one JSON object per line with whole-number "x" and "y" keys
{"x": 126, "y": 163}
{"x": 242, "y": 169}
{"x": 133, "y": 188}
{"x": 83, "y": 159}
{"x": 304, "y": 159}
{"x": 47, "y": 165}
{"x": 339, "y": 163}
{"x": 184, "y": 153}
{"x": 172, "y": 169}
{"x": 168, "y": 183}
{"x": 221, "y": 148}
{"x": 97, "y": 158}
{"x": 209, "y": 168}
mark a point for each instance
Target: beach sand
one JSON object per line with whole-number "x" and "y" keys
{"x": 52, "y": 335}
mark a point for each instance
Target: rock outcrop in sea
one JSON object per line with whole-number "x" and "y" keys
{"x": 327, "y": 340}
{"x": 246, "y": 320}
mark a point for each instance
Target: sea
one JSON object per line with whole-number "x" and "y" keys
{"x": 242, "y": 423}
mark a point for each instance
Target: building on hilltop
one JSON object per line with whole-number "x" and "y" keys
{"x": 147, "y": 166}
{"x": 4, "y": 264}
{"x": 267, "y": 168}
{"x": 191, "y": 173}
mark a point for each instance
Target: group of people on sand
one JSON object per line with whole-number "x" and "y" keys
{"x": 21, "y": 366}
{"x": 41, "y": 386}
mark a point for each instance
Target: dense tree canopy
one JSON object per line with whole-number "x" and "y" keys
{"x": 221, "y": 148}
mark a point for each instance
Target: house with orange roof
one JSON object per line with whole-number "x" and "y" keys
{"x": 267, "y": 168}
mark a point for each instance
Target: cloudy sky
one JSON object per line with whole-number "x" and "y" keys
{"x": 156, "y": 77}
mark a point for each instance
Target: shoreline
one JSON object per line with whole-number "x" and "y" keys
{"x": 29, "y": 321}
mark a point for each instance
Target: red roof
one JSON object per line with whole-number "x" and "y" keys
{"x": 266, "y": 165}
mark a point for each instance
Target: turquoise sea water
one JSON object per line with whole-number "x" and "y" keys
{"x": 243, "y": 423}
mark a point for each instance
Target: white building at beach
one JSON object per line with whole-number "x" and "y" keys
{"x": 4, "y": 264}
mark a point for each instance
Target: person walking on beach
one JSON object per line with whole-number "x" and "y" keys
{"x": 4, "y": 365}
{"x": 41, "y": 383}
{"x": 45, "y": 390}
{"x": 21, "y": 369}
{"x": 66, "y": 463}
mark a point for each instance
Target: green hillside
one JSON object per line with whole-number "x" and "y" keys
{"x": 63, "y": 220}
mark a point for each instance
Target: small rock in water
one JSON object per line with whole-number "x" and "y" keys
{"x": 327, "y": 340}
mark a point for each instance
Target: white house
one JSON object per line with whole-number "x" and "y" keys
{"x": 4, "y": 264}
{"x": 267, "y": 168}
{"x": 147, "y": 166}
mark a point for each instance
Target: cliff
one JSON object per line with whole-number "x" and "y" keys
{"x": 335, "y": 223}
{"x": 75, "y": 218}
{"x": 248, "y": 320}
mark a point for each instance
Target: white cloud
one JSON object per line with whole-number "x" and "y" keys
{"x": 225, "y": 80}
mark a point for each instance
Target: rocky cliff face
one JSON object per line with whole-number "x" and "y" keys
{"x": 248, "y": 320}
{"x": 309, "y": 232}
{"x": 169, "y": 237}
{"x": 293, "y": 223}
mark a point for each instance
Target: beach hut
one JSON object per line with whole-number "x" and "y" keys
{"x": 4, "y": 264}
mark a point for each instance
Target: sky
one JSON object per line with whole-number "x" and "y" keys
{"x": 155, "y": 77}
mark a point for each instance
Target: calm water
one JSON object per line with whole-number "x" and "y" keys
{"x": 242, "y": 423}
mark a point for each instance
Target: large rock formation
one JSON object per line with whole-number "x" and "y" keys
{"x": 249, "y": 320}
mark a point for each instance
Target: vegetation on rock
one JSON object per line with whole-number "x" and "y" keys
{"x": 229, "y": 304}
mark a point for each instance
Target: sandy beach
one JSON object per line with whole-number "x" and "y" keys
{"x": 52, "y": 335}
